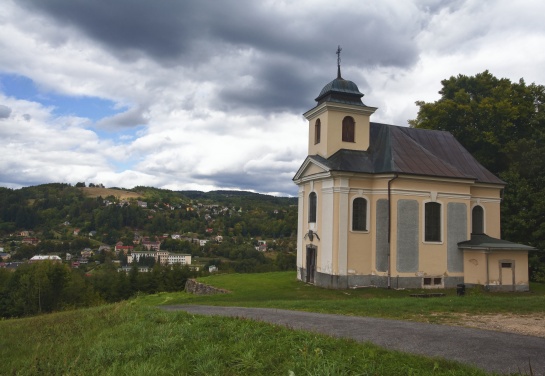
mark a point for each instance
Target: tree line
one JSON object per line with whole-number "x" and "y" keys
{"x": 48, "y": 286}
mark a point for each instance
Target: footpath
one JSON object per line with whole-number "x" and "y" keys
{"x": 489, "y": 350}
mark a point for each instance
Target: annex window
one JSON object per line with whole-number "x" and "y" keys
{"x": 317, "y": 131}
{"x": 348, "y": 129}
{"x": 477, "y": 220}
{"x": 312, "y": 207}
{"x": 432, "y": 222}
{"x": 359, "y": 214}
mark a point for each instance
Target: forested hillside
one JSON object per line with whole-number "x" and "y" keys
{"x": 59, "y": 218}
{"x": 85, "y": 226}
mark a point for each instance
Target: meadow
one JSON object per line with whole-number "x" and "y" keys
{"x": 135, "y": 338}
{"x": 282, "y": 290}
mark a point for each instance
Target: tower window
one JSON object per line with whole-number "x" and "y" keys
{"x": 312, "y": 207}
{"x": 477, "y": 220}
{"x": 317, "y": 131}
{"x": 432, "y": 222}
{"x": 348, "y": 129}
{"x": 359, "y": 214}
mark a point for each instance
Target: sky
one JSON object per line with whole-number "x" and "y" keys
{"x": 206, "y": 95}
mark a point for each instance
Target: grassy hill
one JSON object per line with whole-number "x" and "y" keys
{"x": 131, "y": 339}
{"x": 135, "y": 338}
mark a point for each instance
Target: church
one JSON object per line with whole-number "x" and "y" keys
{"x": 397, "y": 207}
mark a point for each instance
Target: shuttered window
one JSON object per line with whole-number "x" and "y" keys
{"x": 359, "y": 214}
{"x": 477, "y": 220}
{"x": 312, "y": 207}
{"x": 432, "y": 222}
{"x": 317, "y": 131}
{"x": 348, "y": 129}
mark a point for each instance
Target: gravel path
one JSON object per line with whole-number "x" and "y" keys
{"x": 488, "y": 350}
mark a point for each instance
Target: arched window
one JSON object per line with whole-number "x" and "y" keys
{"x": 348, "y": 129}
{"x": 312, "y": 207}
{"x": 432, "y": 222}
{"x": 359, "y": 214}
{"x": 477, "y": 220}
{"x": 317, "y": 131}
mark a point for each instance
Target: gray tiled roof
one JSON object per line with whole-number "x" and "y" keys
{"x": 483, "y": 241}
{"x": 404, "y": 150}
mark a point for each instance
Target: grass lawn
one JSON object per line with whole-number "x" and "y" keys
{"x": 132, "y": 339}
{"x": 136, "y": 338}
{"x": 282, "y": 290}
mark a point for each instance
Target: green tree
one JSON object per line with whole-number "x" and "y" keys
{"x": 502, "y": 124}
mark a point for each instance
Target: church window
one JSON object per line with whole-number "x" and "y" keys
{"x": 348, "y": 129}
{"x": 317, "y": 131}
{"x": 312, "y": 207}
{"x": 359, "y": 214}
{"x": 477, "y": 220}
{"x": 432, "y": 222}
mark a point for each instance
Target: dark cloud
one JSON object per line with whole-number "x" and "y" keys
{"x": 193, "y": 33}
{"x": 261, "y": 182}
{"x": 179, "y": 29}
{"x": 276, "y": 86}
{"x": 132, "y": 118}
{"x": 5, "y": 111}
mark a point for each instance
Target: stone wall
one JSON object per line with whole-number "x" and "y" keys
{"x": 197, "y": 288}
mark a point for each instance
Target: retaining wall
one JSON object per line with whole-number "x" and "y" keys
{"x": 197, "y": 288}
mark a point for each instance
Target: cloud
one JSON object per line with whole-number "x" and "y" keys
{"x": 130, "y": 118}
{"x": 5, "y": 111}
{"x": 263, "y": 57}
{"x": 209, "y": 94}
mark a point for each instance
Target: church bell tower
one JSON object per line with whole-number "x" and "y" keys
{"x": 340, "y": 120}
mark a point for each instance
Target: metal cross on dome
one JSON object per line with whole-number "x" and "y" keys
{"x": 339, "y": 49}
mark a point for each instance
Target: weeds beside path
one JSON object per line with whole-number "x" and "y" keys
{"x": 488, "y": 350}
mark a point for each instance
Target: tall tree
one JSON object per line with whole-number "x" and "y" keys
{"x": 502, "y": 123}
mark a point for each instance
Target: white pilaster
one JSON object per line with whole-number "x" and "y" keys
{"x": 343, "y": 189}
{"x": 326, "y": 235}
{"x": 300, "y": 229}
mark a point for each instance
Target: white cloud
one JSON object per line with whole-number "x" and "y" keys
{"x": 215, "y": 100}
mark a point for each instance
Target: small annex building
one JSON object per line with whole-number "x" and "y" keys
{"x": 391, "y": 206}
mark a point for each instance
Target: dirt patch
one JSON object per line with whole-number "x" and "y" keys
{"x": 533, "y": 325}
{"x": 104, "y": 192}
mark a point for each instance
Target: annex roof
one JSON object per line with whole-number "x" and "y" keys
{"x": 404, "y": 150}
{"x": 485, "y": 242}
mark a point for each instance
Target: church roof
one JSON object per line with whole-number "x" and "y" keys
{"x": 412, "y": 151}
{"x": 341, "y": 91}
{"x": 485, "y": 242}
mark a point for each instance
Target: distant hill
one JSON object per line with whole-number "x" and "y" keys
{"x": 223, "y": 197}
{"x": 54, "y": 211}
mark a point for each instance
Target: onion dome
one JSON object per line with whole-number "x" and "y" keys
{"x": 340, "y": 90}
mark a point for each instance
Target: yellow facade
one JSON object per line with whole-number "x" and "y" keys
{"x": 358, "y": 254}
{"x": 391, "y": 250}
{"x": 330, "y": 115}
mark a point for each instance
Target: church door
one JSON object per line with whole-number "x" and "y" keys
{"x": 311, "y": 263}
